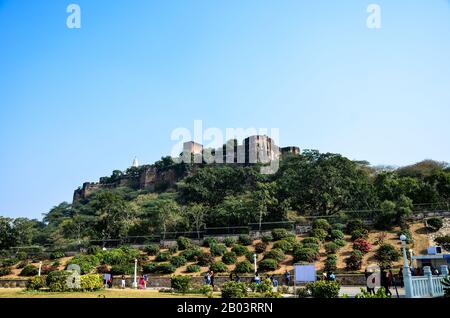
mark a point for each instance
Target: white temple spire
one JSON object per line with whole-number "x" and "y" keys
{"x": 135, "y": 163}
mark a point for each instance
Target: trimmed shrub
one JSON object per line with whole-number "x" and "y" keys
{"x": 354, "y": 225}
{"x": 22, "y": 264}
{"x": 57, "y": 281}
{"x": 337, "y": 235}
{"x": 340, "y": 243}
{"x": 178, "y": 261}
{"x": 250, "y": 256}
{"x": 268, "y": 264}
{"x": 22, "y": 256}
{"x": 359, "y": 234}
{"x": 181, "y": 283}
{"x": 435, "y": 224}
{"x": 7, "y": 262}
{"x": 218, "y": 267}
{"x": 331, "y": 248}
{"x": 244, "y": 267}
{"x": 57, "y": 254}
{"x": 279, "y": 234}
{"x": 362, "y": 245}
{"x": 5, "y": 271}
{"x": 234, "y": 290}
{"x": 308, "y": 240}
{"x": 324, "y": 289}
{"x": 245, "y": 239}
{"x": 315, "y": 247}
{"x": 330, "y": 263}
{"x": 320, "y": 234}
{"x": 163, "y": 257}
{"x": 191, "y": 254}
{"x": 184, "y": 243}
{"x": 152, "y": 249}
{"x": 164, "y": 268}
{"x": 148, "y": 268}
{"x": 173, "y": 249}
{"x": 207, "y": 242}
{"x": 354, "y": 261}
{"x": 91, "y": 282}
{"x": 275, "y": 254}
{"x": 267, "y": 238}
{"x": 118, "y": 256}
{"x": 260, "y": 247}
{"x": 29, "y": 270}
{"x": 305, "y": 255}
{"x": 338, "y": 226}
{"x": 283, "y": 245}
{"x": 218, "y": 249}
{"x": 205, "y": 259}
{"x": 239, "y": 249}
{"x": 193, "y": 269}
{"x": 229, "y": 258}
{"x": 386, "y": 255}
{"x": 36, "y": 283}
{"x": 122, "y": 269}
{"x": 229, "y": 241}
{"x": 94, "y": 250}
{"x": 321, "y": 224}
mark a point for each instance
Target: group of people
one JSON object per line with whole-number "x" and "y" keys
{"x": 256, "y": 278}
{"x": 387, "y": 280}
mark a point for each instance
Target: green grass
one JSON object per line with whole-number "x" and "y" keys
{"x": 109, "y": 293}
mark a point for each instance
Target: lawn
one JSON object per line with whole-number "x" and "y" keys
{"x": 109, "y": 293}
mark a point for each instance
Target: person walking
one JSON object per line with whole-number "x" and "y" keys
{"x": 287, "y": 278}
{"x": 231, "y": 277}
{"x": 208, "y": 278}
{"x": 257, "y": 278}
{"x": 212, "y": 279}
{"x": 237, "y": 279}
{"x": 123, "y": 282}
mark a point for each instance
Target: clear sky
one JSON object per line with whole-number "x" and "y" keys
{"x": 76, "y": 104}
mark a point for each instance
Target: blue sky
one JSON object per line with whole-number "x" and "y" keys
{"x": 77, "y": 104}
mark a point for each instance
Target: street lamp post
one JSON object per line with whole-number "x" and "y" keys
{"x": 135, "y": 274}
{"x": 407, "y": 279}
{"x": 40, "y": 268}
{"x": 411, "y": 258}
{"x": 254, "y": 262}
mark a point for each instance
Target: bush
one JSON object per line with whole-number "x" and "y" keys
{"x": 91, "y": 282}
{"x": 308, "y": 240}
{"x": 207, "y": 242}
{"x": 29, "y": 270}
{"x": 312, "y": 246}
{"x": 178, "y": 261}
{"x": 354, "y": 261}
{"x": 338, "y": 226}
{"x": 218, "y": 267}
{"x": 36, "y": 283}
{"x": 148, "y": 268}
{"x": 320, "y": 234}
{"x": 386, "y": 255}
{"x": 218, "y": 249}
{"x": 173, "y": 249}
{"x": 340, "y": 243}
{"x": 122, "y": 269}
{"x": 324, "y": 289}
{"x": 229, "y": 241}
{"x": 193, "y": 269}
{"x": 321, "y": 224}
{"x": 359, "y": 234}
{"x": 435, "y": 224}
{"x": 57, "y": 281}
{"x": 354, "y": 225}
{"x": 239, "y": 249}
{"x": 362, "y": 245}
{"x": 184, "y": 243}
{"x": 151, "y": 249}
{"x": 181, "y": 283}
{"x": 330, "y": 263}
{"x": 205, "y": 259}
{"x": 22, "y": 256}
{"x": 305, "y": 255}
{"x": 164, "y": 268}
{"x": 267, "y": 238}
{"x": 163, "y": 257}
{"x": 229, "y": 258}
{"x": 260, "y": 247}
{"x": 283, "y": 245}
{"x": 381, "y": 293}
{"x": 7, "y": 262}
{"x": 5, "y": 271}
{"x": 22, "y": 264}
{"x": 331, "y": 248}
{"x": 268, "y": 264}
{"x": 279, "y": 234}
{"x": 120, "y": 255}
{"x": 245, "y": 239}
{"x": 275, "y": 254}
{"x": 57, "y": 254}
{"x": 234, "y": 290}
{"x": 264, "y": 287}
{"x": 87, "y": 263}
{"x": 407, "y": 233}
{"x": 244, "y": 267}
{"x": 443, "y": 240}
{"x": 337, "y": 235}
{"x": 191, "y": 254}
{"x": 94, "y": 250}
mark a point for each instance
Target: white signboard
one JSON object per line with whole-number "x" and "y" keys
{"x": 305, "y": 273}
